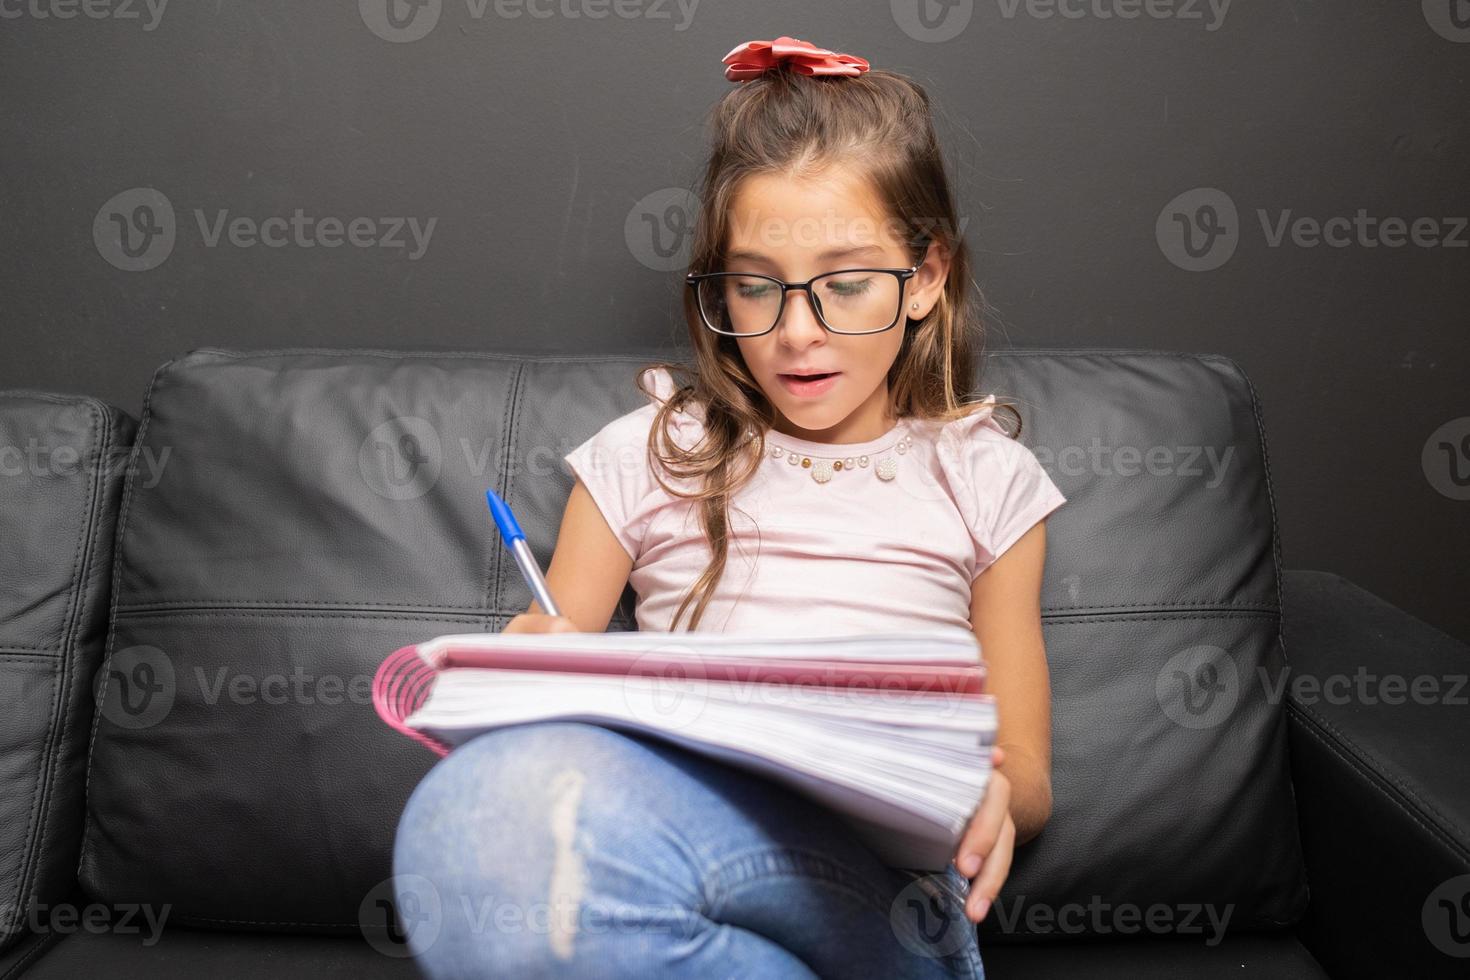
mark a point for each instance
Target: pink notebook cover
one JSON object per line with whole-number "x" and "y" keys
{"x": 403, "y": 680}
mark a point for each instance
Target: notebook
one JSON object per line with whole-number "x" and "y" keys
{"x": 891, "y": 731}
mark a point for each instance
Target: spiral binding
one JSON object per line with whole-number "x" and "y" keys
{"x": 400, "y": 687}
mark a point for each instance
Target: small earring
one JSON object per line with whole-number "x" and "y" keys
{"x": 916, "y": 306}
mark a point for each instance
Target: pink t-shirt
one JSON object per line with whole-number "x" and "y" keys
{"x": 854, "y": 554}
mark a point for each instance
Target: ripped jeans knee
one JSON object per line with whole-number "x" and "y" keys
{"x": 571, "y": 849}
{"x": 496, "y": 841}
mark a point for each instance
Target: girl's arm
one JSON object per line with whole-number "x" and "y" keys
{"x": 589, "y": 569}
{"x": 1005, "y": 611}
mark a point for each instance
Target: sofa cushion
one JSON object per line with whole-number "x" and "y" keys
{"x": 1161, "y": 611}
{"x": 316, "y": 513}
{"x": 322, "y": 508}
{"x": 61, "y": 464}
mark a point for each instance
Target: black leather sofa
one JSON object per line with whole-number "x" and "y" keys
{"x": 191, "y": 604}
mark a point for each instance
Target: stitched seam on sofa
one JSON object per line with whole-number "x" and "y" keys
{"x": 494, "y": 571}
{"x": 56, "y": 721}
{"x": 449, "y": 355}
{"x": 43, "y": 942}
{"x": 38, "y": 651}
{"x": 66, "y": 675}
{"x": 117, "y": 556}
{"x": 185, "y": 920}
{"x": 166, "y": 604}
{"x": 1193, "y": 604}
{"x": 101, "y": 472}
{"x": 510, "y": 455}
{"x": 20, "y": 904}
{"x": 1161, "y": 616}
{"x": 295, "y": 614}
{"x": 1258, "y": 412}
{"x": 37, "y": 394}
{"x": 385, "y": 611}
{"x": 1054, "y": 613}
{"x": 1361, "y": 761}
{"x": 284, "y": 603}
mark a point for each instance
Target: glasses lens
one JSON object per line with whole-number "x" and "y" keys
{"x": 858, "y": 301}
{"x": 739, "y": 304}
{"x": 852, "y": 301}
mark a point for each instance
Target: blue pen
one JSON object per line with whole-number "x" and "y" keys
{"x": 515, "y": 540}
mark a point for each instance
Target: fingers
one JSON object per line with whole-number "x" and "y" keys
{"x": 540, "y": 623}
{"x": 984, "y": 829}
{"x": 997, "y": 866}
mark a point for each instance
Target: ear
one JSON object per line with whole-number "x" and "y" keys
{"x": 928, "y": 282}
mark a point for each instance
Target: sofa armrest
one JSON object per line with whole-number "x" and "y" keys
{"x": 62, "y": 462}
{"x": 1379, "y": 710}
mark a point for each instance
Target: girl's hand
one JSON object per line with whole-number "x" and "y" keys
{"x": 540, "y": 623}
{"x": 984, "y": 855}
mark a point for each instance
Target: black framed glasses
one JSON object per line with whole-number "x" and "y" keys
{"x": 849, "y": 301}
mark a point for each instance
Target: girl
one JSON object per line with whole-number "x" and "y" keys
{"x": 822, "y": 433}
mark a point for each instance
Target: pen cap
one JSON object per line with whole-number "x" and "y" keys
{"x": 504, "y": 519}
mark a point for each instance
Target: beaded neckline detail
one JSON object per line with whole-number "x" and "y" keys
{"x": 882, "y": 461}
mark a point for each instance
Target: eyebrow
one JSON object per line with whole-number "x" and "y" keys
{"x": 831, "y": 253}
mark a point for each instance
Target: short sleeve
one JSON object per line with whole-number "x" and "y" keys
{"x": 614, "y": 465}
{"x": 1000, "y": 487}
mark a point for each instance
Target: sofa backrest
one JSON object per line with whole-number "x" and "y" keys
{"x": 61, "y": 465}
{"x": 292, "y": 517}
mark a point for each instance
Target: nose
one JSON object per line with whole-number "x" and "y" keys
{"x": 799, "y": 326}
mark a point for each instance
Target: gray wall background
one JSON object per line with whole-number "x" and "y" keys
{"x": 546, "y": 140}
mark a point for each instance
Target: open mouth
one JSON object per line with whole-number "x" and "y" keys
{"x": 809, "y": 385}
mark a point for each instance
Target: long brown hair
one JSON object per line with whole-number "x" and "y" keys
{"x": 783, "y": 123}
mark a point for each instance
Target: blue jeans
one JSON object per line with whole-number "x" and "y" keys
{"x": 570, "y": 849}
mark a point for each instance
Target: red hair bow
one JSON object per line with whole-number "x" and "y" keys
{"x": 754, "y": 58}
